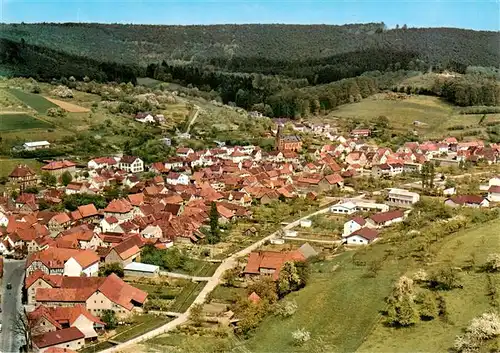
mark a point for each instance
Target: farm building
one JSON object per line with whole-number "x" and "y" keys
{"x": 36, "y": 145}
{"x": 139, "y": 269}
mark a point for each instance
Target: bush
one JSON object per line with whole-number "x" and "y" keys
{"x": 109, "y": 318}
{"x": 444, "y": 279}
{"x": 402, "y": 313}
{"x": 286, "y": 308}
{"x": 482, "y": 328}
{"x": 428, "y": 307}
{"x": 300, "y": 336}
{"x": 493, "y": 263}
{"x": 107, "y": 269}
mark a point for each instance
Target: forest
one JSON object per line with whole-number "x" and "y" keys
{"x": 280, "y": 70}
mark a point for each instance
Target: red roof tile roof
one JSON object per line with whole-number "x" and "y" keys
{"x": 383, "y": 217}
{"x": 54, "y": 165}
{"x": 119, "y": 206}
{"x": 270, "y": 260}
{"x": 58, "y": 337}
{"x": 367, "y": 233}
{"x": 21, "y": 171}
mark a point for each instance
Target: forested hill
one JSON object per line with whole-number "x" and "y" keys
{"x": 257, "y": 48}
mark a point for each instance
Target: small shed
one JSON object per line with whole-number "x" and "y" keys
{"x": 290, "y": 233}
{"x": 277, "y": 241}
{"x": 306, "y": 223}
{"x": 139, "y": 269}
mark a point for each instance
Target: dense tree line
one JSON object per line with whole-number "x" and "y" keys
{"x": 231, "y": 46}
{"x": 469, "y": 90}
{"x": 44, "y": 64}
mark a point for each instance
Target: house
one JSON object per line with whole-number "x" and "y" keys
{"x": 131, "y": 164}
{"x": 361, "y": 236}
{"x": 353, "y": 225}
{"x": 46, "y": 319}
{"x": 331, "y": 181}
{"x": 389, "y": 170}
{"x": 96, "y": 294}
{"x": 125, "y": 252}
{"x": 184, "y": 152}
{"x": 36, "y": 145}
{"x": 145, "y": 118}
{"x": 287, "y": 142}
{"x": 152, "y": 231}
{"x": 102, "y": 162}
{"x": 385, "y": 219}
{"x": 121, "y": 209}
{"x": 70, "y": 337}
{"x": 174, "y": 178}
{"x": 343, "y": 208}
{"x": 269, "y": 263}
{"x": 58, "y": 168}
{"x": 467, "y": 201}
{"x": 63, "y": 261}
{"x": 361, "y": 133}
{"x": 23, "y": 177}
{"x": 76, "y": 188}
{"x": 59, "y": 222}
{"x": 141, "y": 270}
{"x": 403, "y": 197}
{"x": 494, "y": 193}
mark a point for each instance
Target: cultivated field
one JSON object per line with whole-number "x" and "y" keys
{"x": 69, "y": 107}
{"x": 34, "y": 101}
{"x": 21, "y": 121}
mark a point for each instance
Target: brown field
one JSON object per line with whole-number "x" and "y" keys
{"x": 69, "y": 107}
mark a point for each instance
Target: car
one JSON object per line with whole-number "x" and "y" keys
{"x": 9, "y": 285}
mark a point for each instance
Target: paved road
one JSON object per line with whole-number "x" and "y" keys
{"x": 11, "y": 303}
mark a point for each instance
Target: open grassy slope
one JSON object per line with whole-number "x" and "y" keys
{"x": 462, "y": 304}
{"x": 432, "y": 111}
{"x": 9, "y": 122}
{"x": 341, "y": 306}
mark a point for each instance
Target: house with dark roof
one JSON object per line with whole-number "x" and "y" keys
{"x": 23, "y": 177}
{"x": 353, "y": 224}
{"x": 385, "y": 219}
{"x": 57, "y": 168}
{"x": 362, "y": 236}
{"x": 131, "y": 164}
{"x": 269, "y": 263}
{"x": 467, "y": 201}
{"x": 70, "y": 337}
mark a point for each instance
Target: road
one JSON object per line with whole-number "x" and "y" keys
{"x": 195, "y": 116}
{"x": 180, "y": 275}
{"x": 13, "y": 272}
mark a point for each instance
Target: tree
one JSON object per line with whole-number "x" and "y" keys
{"x": 286, "y": 308}
{"x": 196, "y": 314}
{"x": 265, "y": 288}
{"x": 114, "y": 267}
{"x": 300, "y": 336}
{"x": 109, "y": 318}
{"x": 66, "y": 178}
{"x": 428, "y": 306}
{"x": 402, "y": 313}
{"x": 444, "y": 279}
{"x": 289, "y": 279}
{"x": 48, "y": 179}
{"x": 214, "y": 236}
{"x": 23, "y": 327}
{"x": 4, "y": 180}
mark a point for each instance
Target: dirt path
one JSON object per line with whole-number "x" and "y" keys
{"x": 69, "y": 107}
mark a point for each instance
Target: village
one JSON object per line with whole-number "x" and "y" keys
{"x": 115, "y": 243}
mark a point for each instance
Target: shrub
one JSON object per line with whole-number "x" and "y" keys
{"x": 300, "y": 336}
{"x": 109, "y": 318}
{"x": 482, "y": 328}
{"x": 196, "y": 314}
{"x": 403, "y": 288}
{"x": 107, "y": 269}
{"x": 493, "y": 263}
{"x": 286, "y": 308}
{"x": 420, "y": 276}
{"x": 428, "y": 307}
{"x": 402, "y": 313}
{"x": 444, "y": 279}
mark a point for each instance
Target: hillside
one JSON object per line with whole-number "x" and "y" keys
{"x": 260, "y": 48}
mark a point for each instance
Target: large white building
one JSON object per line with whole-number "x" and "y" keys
{"x": 36, "y": 145}
{"x": 403, "y": 197}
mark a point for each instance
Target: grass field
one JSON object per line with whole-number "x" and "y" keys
{"x": 173, "y": 342}
{"x": 436, "y": 113}
{"x": 186, "y": 297}
{"x": 142, "y": 324}
{"x": 224, "y": 294}
{"x": 35, "y": 101}
{"x": 7, "y": 165}
{"x": 9, "y": 122}
{"x": 462, "y": 304}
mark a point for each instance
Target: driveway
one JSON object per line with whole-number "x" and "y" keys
{"x": 13, "y": 272}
